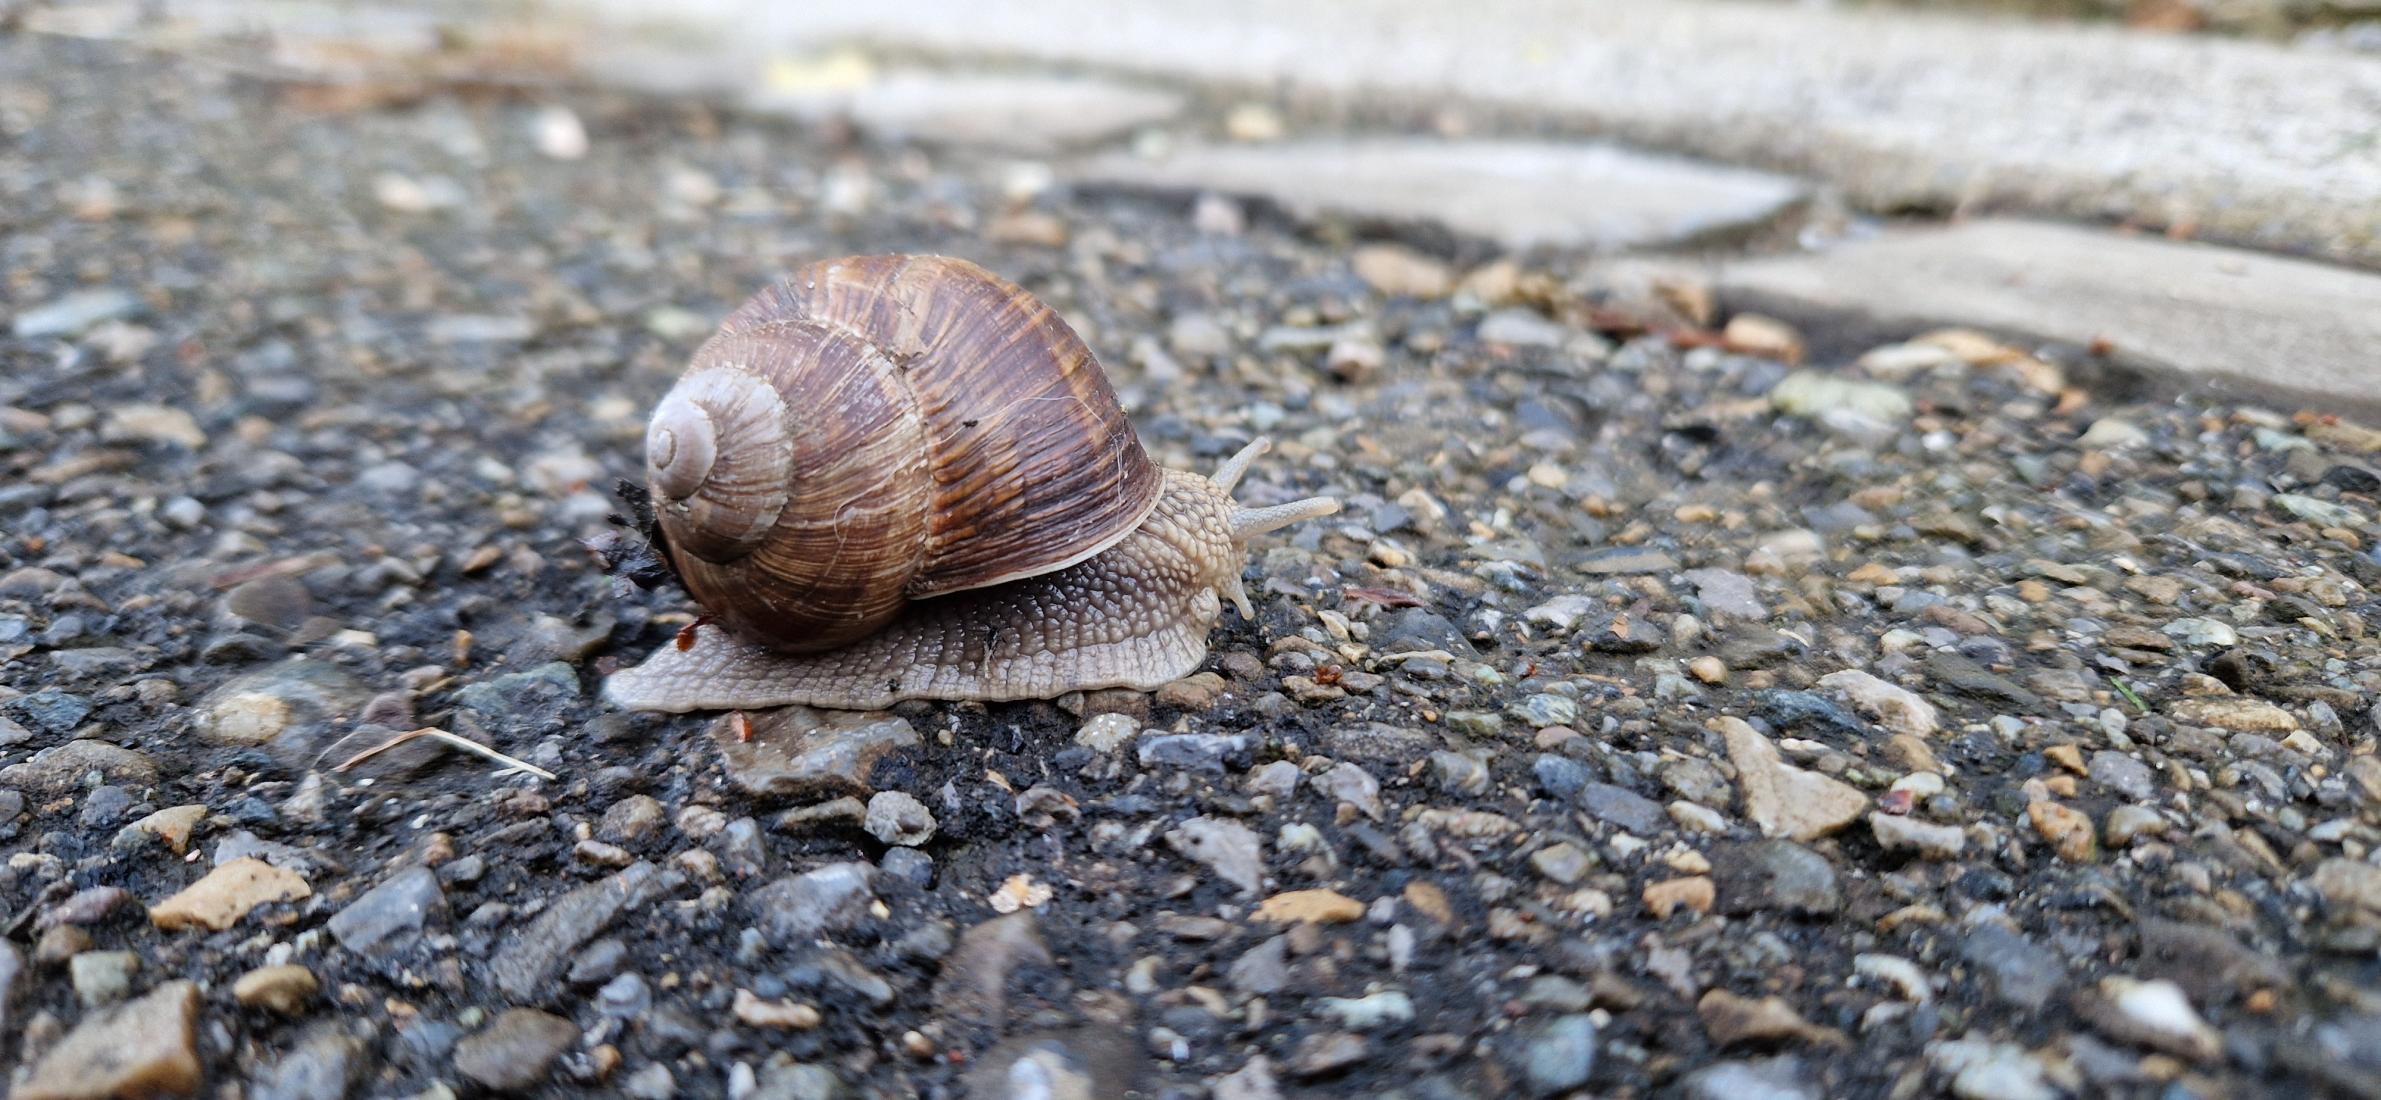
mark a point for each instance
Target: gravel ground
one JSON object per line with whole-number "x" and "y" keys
{"x": 1660, "y": 719}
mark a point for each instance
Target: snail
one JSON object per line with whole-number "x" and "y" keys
{"x": 904, "y": 477}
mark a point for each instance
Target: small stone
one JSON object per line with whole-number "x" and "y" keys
{"x": 228, "y": 893}
{"x": 1621, "y": 807}
{"x": 2112, "y": 434}
{"x": 1896, "y": 708}
{"x": 1229, "y": 848}
{"x": 1779, "y": 1078}
{"x": 898, "y": 818}
{"x": 529, "y": 960}
{"x": 1326, "y": 1053}
{"x": 1982, "y": 1070}
{"x": 973, "y": 985}
{"x": 1768, "y": 337}
{"x": 777, "y": 1015}
{"x": 1695, "y": 892}
{"x": 1545, "y": 709}
{"x": 286, "y": 989}
{"x": 389, "y": 917}
{"x": 2124, "y": 775}
{"x": 2129, "y": 823}
{"x": 1316, "y": 906}
{"x": 73, "y": 313}
{"x": 2201, "y": 632}
{"x": 1936, "y": 842}
{"x": 1106, "y": 733}
{"x": 171, "y": 826}
{"x": 2232, "y": 712}
{"x": 61, "y": 769}
{"x": 1730, "y": 1019}
{"x": 1350, "y": 784}
{"x": 145, "y": 1047}
{"x": 2155, "y": 1014}
{"x": 1370, "y": 1012}
{"x": 2350, "y": 887}
{"x": 2020, "y": 971}
{"x": 798, "y": 752}
{"x": 2068, "y": 830}
{"x": 1814, "y": 394}
{"x": 796, "y": 909}
{"x": 1727, "y": 593}
{"x": 1401, "y": 272}
{"x": 102, "y": 977}
{"x": 1564, "y": 863}
{"x": 1555, "y": 1057}
{"x": 1784, "y": 800}
{"x": 1776, "y": 875}
{"x": 161, "y": 424}
{"x": 631, "y": 819}
{"x": 515, "y": 1050}
{"x": 322, "y": 1066}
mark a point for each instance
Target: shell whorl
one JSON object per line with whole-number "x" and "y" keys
{"x": 719, "y": 456}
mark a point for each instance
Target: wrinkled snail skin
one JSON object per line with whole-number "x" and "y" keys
{"x": 904, "y": 477}
{"x": 1136, "y": 615}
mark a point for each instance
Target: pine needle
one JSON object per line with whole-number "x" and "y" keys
{"x": 464, "y": 743}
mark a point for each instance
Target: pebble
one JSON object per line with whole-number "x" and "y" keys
{"x": 1784, "y": 800}
{"x": 61, "y": 769}
{"x": 103, "y": 977}
{"x": 322, "y": 1066}
{"x": 1230, "y": 849}
{"x": 1554, "y": 1057}
{"x": 1812, "y": 393}
{"x": 389, "y": 917}
{"x": 516, "y": 1050}
{"x": 2017, "y": 970}
{"x": 288, "y": 989}
{"x": 1106, "y": 733}
{"x": 1930, "y": 841}
{"x": 793, "y": 910}
{"x": 798, "y": 752}
{"x": 972, "y": 987}
{"x": 897, "y": 818}
{"x": 528, "y": 960}
{"x": 142, "y": 1047}
{"x": 2155, "y": 1014}
{"x": 1621, "y": 807}
{"x": 2202, "y": 632}
{"x": 2127, "y": 824}
{"x": 73, "y": 313}
{"x": 1326, "y": 1053}
{"x": 1983, "y": 1070}
{"x": 1317, "y": 906}
{"x": 228, "y": 893}
{"x": 1730, "y": 1019}
{"x": 1564, "y": 863}
{"x": 1694, "y": 892}
{"x": 1777, "y": 875}
{"x": 1779, "y": 1078}
{"x": 171, "y": 826}
{"x": 1896, "y": 708}
{"x": 2234, "y": 713}
{"x": 1401, "y": 272}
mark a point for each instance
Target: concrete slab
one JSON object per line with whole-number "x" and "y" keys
{"x": 1518, "y": 194}
{"x": 1018, "y": 112}
{"x": 2219, "y": 317}
{"x": 2252, "y": 142}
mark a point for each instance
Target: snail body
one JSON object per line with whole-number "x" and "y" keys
{"x": 893, "y": 478}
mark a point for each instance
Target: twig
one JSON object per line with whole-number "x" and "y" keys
{"x": 463, "y": 743}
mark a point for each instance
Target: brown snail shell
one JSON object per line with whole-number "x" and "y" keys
{"x": 897, "y": 477}
{"x": 882, "y": 429}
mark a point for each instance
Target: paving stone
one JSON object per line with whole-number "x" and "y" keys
{"x": 1017, "y": 112}
{"x": 2213, "y": 315}
{"x": 1901, "y": 110}
{"x": 1519, "y": 194}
